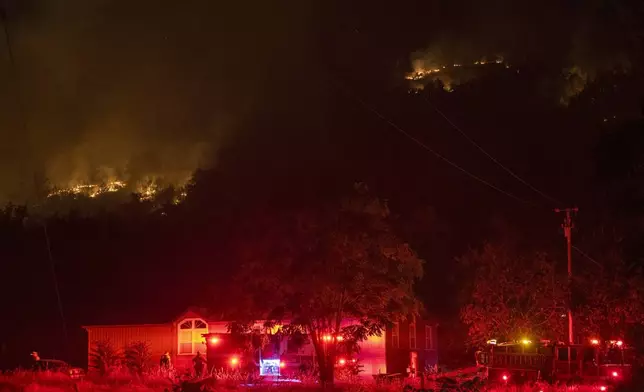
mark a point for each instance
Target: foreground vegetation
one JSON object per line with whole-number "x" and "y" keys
{"x": 124, "y": 381}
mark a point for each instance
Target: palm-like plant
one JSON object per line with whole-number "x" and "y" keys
{"x": 137, "y": 357}
{"x": 104, "y": 357}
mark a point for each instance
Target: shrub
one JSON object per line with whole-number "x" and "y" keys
{"x": 137, "y": 356}
{"x": 104, "y": 357}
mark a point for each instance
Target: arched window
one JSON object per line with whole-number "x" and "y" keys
{"x": 190, "y": 339}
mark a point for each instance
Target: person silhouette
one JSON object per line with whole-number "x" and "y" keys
{"x": 199, "y": 364}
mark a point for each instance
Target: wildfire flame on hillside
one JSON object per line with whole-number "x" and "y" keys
{"x": 422, "y": 71}
{"x": 91, "y": 190}
{"x": 145, "y": 191}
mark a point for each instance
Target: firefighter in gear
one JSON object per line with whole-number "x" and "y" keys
{"x": 35, "y": 361}
{"x": 164, "y": 363}
{"x": 199, "y": 363}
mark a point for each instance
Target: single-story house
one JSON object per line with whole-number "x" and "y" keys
{"x": 406, "y": 345}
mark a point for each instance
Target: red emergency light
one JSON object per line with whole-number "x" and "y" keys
{"x": 342, "y": 361}
{"x": 505, "y": 377}
{"x": 214, "y": 340}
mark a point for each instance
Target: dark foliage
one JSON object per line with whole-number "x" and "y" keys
{"x": 104, "y": 357}
{"x": 314, "y": 268}
{"x": 137, "y": 356}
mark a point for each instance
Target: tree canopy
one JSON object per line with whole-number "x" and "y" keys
{"x": 317, "y": 267}
{"x": 610, "y": 300}
{"x": 512, "y": 295}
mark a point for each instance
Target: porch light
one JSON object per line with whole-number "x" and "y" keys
{"x": 214, "y": 340}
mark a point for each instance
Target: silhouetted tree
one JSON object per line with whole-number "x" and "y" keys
{"x": 313, "y": 268}
{"x": 512, "y": 295}
{"x": 611, "y": 304}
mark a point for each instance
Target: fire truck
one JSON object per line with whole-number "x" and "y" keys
{"x": 600, "y": 363}
{"x": 225, "y": 351}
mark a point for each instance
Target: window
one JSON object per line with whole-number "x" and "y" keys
{"x": 190, "y": 336}
{"x": 412, "y": 335}
{"x": 429, "y": 337}
{"x": 395, "y": 336}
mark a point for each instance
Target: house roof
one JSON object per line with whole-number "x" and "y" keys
{"x": 155, "y": 319}
{"x": 169, "y": 315}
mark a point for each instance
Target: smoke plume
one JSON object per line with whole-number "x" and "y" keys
{"x": 105, "y": 89}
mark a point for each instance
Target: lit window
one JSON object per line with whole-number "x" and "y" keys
{"x": 190, "y": 336}
{"x": 412, "y": 335}
{"x": 429, "y": 337}
{"x": 395, "y": 336}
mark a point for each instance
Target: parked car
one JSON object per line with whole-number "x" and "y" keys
{"x": 58, "y": 366}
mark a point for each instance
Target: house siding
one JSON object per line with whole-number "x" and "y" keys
{"x": 159, "y": 337}
{"x": 377, "y": 355}
{"x": 399, "y": 358}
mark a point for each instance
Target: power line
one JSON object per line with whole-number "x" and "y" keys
{"x": 23, "y": 118}
{"x": 478, "y": 146}
{"x": 55, "y": 276}
{"x": 428, "y": 148}
{"x": 12, "y": 61}
{"x": 516, "y": 176}
{"x": 581, "y": 252}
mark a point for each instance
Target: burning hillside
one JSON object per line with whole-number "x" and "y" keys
{"x": 145, "y": 190}
{"x": 428, "y": 68}
{"x": 89, "y": 190}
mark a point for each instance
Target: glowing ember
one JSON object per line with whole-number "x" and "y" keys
{"x": 147, "y": 191}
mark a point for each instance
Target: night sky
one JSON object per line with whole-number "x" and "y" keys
{"x": 285, "y": 101}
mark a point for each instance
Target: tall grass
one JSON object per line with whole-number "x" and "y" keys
{"x": 126, "y": 381}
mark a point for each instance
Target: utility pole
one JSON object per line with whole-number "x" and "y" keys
{"x": 567, "y": 226}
